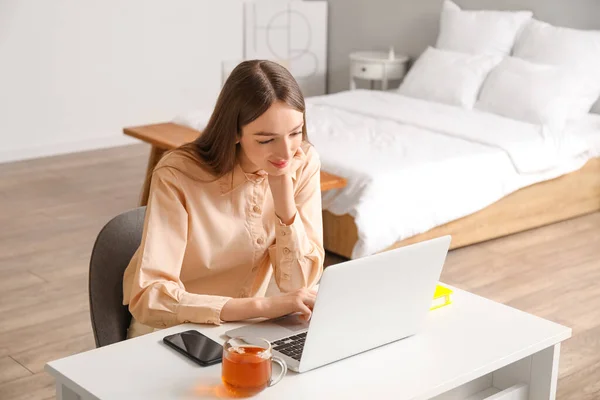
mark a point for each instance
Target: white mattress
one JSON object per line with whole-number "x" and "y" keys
{"x": 412, "y": 165}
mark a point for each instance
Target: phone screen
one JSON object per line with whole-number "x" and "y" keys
{"x": 196, "y": 346}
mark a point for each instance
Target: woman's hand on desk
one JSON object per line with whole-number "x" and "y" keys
{"x": 300, "y": 301}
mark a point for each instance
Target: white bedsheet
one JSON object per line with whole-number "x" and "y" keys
{"x": 412, "y": 165}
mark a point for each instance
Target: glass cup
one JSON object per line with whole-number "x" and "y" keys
{"x": 247, "y": 366}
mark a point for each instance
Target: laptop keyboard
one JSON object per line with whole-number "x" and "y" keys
{"x": 291, "y": 346}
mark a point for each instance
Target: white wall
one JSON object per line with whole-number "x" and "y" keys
{"x": 412, "y": 25}
{"x": 74, "y": 72}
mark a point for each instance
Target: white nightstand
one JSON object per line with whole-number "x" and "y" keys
{"x": 376, "y": 66}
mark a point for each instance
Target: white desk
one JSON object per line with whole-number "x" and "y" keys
{"x": 474, "y": 348}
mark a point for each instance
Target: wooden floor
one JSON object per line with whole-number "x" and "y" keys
{"x": 51, "y": 210}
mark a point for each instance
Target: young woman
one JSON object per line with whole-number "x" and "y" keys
{"x": 230, "y": 211}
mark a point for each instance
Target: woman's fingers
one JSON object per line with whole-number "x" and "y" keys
{"x": 306, "y": 312}
{"x": 309, "y": 301}
{"x": 306, "y": 304}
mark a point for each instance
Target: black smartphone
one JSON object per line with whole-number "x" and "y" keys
{"x": 196, "y": 346}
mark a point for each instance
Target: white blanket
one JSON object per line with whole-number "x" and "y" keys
{"x": 413, "y": 165}
{"x": 532, "y": 148}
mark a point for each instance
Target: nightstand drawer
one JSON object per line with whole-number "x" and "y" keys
{"x": 366, "y": 70}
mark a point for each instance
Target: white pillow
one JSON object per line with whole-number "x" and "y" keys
{"x": 481, "y": 31}
{"x": 530, "y": 92}
{"x": 448, "y": 77}
{"x": 577, "y": 49}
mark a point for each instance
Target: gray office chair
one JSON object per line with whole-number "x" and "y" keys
{"x": 115, "y": 245}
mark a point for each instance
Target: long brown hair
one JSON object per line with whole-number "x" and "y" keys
{"x": 251, "y": 88}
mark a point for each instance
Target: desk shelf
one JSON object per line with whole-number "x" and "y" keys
{"x": 517, "y": 392}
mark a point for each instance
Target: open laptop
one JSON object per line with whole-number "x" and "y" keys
{"x": 361, "y": 304}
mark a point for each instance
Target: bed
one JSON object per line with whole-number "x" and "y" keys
{"x": 489, "y": 134}
{"x": 472, "y": 191}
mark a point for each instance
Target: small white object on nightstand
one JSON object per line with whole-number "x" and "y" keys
{"x": 377, "y": 65}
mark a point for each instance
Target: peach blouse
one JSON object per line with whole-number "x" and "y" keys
{"x": 208, "y": 240}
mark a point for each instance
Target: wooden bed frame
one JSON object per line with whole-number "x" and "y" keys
{"x": 571, "y": 195}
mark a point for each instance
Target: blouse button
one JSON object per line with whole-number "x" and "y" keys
{"x": 254, "y": 269}
{"x": 286, "y": 250}
{"x": 260, "y": 240}
{"x": 256, "y": 209}
{"x": 283, "y": 233}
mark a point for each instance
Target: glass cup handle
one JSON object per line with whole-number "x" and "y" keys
{"x": 284, "y": 369}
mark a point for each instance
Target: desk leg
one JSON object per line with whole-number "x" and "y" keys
{"x": 155, "y": 155}
{"x": 64, "y": 393}
{"x": 544, "y": 374}
{"x": 539, "y": 371}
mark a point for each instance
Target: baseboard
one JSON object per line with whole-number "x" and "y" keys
{"x": 65, "y": 148}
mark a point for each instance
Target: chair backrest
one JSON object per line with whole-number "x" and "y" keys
{"x": 115, "y": 245}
